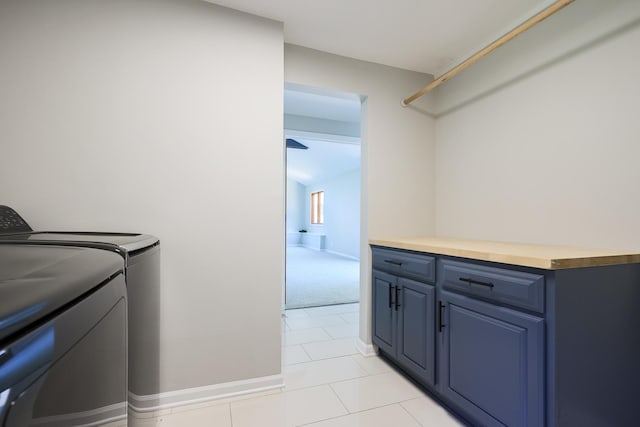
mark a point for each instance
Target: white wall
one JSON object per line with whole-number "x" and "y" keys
{"x": 539, "y": 141}
{"x": 341, "y": 213}
{"x": 131, "y": 115}
{"x": 397, "y": 193}
{"x": 295, "y": 206}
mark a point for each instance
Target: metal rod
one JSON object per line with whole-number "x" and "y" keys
{"x": 490, "y": 48}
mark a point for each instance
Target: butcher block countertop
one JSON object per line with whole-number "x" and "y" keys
{"x": 527, "y": 255}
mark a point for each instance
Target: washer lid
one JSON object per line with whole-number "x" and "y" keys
{"x": 35, "y": 281}
{"x": 126, "y": 242}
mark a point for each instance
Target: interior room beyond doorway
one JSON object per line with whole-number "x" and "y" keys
{"x": 322, "y": 133}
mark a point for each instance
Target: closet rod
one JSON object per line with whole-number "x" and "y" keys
{"x": 488, "y": 49}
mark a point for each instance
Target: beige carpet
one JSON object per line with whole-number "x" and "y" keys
{"x": 316, "y": 278}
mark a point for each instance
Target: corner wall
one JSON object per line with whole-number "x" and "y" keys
{"x": 131, "y": 115}
{"x": 397, "y": 170}
{"x": 538, "y": 142}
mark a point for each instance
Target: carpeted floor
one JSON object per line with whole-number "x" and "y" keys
{"x": 316, "y": 278}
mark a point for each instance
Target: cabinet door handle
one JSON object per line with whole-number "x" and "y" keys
{"x": 476, "y": 282}
{"x": 397, "y": 297}
{"x": 390, "y": 261}
{"x": 391, "y": 288}
{"x": 440, "y": 314}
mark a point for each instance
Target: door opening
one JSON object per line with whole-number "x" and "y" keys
{"x": 322, "y": 133}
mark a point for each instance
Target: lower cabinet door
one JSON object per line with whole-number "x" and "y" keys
{"x": 416, "y": 329}
{"x": 384, "y": 319}
{"x": 492, "y": 362}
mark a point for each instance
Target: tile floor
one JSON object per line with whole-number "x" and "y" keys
{"x": 328, "y": 384}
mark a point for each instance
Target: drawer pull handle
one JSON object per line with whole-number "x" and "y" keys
{"x": 476, "y": 282}
{"x": 390, "y": 261}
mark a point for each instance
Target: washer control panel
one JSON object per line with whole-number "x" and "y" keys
{"x": 11, "y": 222}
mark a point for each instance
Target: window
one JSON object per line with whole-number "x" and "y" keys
{"x": 317, "y": 207}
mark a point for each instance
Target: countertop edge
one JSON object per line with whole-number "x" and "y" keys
{"x": 513, "y": 259}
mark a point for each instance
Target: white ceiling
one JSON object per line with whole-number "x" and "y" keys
{"x": 422, "y": 35}
{"x": 322, "y": 160}
{"x": 328, "y": 155}
{"x": 429, "y": 36}
{"x": 310, "y": 104}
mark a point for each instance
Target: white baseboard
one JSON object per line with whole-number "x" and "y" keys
{"x": 343, "y": 255}
{"x": 315, "y": 241}
{"x": 170, "y": 399}
{"x": 367, "y": 350}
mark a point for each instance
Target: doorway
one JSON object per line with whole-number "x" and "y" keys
{"x": 322, "y": 133}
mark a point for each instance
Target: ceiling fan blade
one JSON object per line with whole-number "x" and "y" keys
{"x": 292, "y": 143}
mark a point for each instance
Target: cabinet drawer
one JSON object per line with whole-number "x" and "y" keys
{"x": 516, "y": 288}
{"x": 415, "y": 266}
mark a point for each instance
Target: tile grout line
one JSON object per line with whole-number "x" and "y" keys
{"x": 230, "y": 414}
{"x": 354, "y": 357}
{"x": 307, "y": 353}
{"x": 344, "y": 356}
{"x": 307, "y": 342}
{"x": 331, "y": 383}
{"x": 311, "y": 342}
{"x": 327, "y": 332}
{"x": 329, "y": 358}
{"x": 327, "y": 383}
{"x": 340, "y": 400}
{"x": 410, "y": 414}
{"x": 368, "y": 375}
{"x": 319, "y": 326}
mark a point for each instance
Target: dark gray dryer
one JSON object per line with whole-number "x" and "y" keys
{"x": 141, "y": 254}
{"x": 63, "y": 340}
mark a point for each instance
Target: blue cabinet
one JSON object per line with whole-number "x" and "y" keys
{"x": 510, "y": 345}
{"x": 403, "y": 323}
{"x": 492, "y": 362}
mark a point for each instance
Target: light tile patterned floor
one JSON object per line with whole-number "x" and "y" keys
{"x": 328, "y": 384}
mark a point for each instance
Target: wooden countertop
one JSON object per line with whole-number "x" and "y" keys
{"x": 538, "y": 256}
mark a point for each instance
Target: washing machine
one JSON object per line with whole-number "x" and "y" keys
{"x": 141, "y": 255}
{"x": 63, "y": 337}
